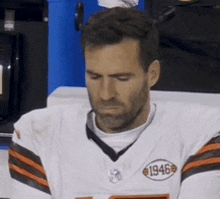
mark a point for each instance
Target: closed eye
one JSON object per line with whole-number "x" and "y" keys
{"x": 123, "y": 77}
{"x": 93, "y": 76}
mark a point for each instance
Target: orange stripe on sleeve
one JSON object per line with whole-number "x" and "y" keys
{"x": 208, "y": 148}
{"x": 27, "y": 161}
{"x": 29, "y": 175}
{"x": 199, "y": 163}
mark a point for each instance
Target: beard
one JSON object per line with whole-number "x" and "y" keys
{"x": 124, "y": 115}
{"x": 117, "y": 123}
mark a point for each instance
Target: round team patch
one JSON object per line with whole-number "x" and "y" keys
{"x": 159, "y": 170}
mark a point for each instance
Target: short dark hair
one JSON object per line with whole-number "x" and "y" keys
{"x": 111, "y": 26}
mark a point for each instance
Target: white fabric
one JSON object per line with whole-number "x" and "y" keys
{"x": 119, "y": 141}
{"x": 77, "y": 167}
{"x": 18, "y": 190}
{"x": 116, "y": 3}
{"x": 207, "y": 183}
{"x": 72, "y": 95}
{"x": 5, "y": 180}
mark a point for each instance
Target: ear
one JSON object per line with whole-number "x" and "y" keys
{"x": 153, "y": 73}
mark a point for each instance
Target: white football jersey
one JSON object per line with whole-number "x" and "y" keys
{"x": 56, "y": 155}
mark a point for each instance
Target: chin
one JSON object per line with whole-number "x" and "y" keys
{"x": 112, "y": 121}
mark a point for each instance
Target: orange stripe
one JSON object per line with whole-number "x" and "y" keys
{"x": 199, "y": 163}
{"x": 27, "y": 161}
{"x": 29, "y": 175}
{"x": 208, "y": 148}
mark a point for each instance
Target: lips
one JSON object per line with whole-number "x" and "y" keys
{"x": 104, "y": 110}
{"x": 108, "y": 107}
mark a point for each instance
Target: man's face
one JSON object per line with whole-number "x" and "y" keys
{"x": 117, "y": 86}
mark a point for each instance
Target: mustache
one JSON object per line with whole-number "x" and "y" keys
{"x": 110, "y": 103}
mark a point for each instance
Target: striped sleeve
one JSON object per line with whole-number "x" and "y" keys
{"x": 206, "y": 159}
{"x": 27, "y": 168}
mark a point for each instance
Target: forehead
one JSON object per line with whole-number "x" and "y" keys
{"x": 121, "y": 57}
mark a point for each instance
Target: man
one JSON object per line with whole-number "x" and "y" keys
{"x": 126, "y": 146}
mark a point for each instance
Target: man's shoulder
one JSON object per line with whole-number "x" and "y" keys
{"x": 45, "y": 119}
{"x": 188, "y": 111}
{"x": 190, "y": 116}
{"x": 195, "y": 124}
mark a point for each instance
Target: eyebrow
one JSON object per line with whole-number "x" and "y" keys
{"x": 112, "y": 75}
{"x": 92, "y": 73}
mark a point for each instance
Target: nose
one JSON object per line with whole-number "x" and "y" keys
{"x": 107, "y": 89}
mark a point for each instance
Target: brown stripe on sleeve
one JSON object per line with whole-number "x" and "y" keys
{"x": 25, "y": 152}
{"x": 209, "y": 161}
{"x": 29, "y": 175}
{"x": 27, "y": 161}
{"x": 27, "y": 168}
{"x": 208, "y": 148}
{"x": 214, "y": 140}
{"x": 13, "y": 160}
{"x": 28, "y": 181}
{"x": 206, "y": 159}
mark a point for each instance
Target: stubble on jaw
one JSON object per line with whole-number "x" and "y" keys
{"x": 137, "y": 115}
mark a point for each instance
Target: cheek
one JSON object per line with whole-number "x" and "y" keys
{"x": 92, "y": 91}
{"x": 129, "y": 92}
{"x": 92, "y": 86}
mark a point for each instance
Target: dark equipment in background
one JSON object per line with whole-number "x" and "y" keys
{"x": 79, "y": 16}
{"x": 25, "y": 10}
{"x": 23, "y": 28}
{"x": 189, "y": 44}
{"x": 10, "y": 61}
